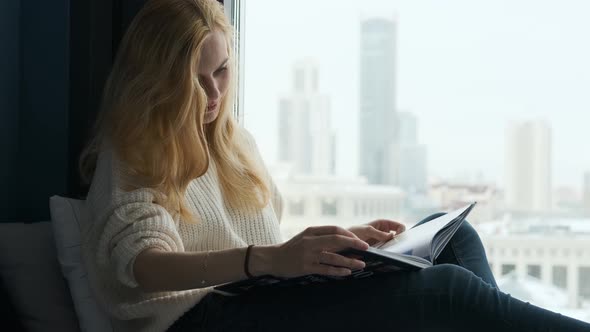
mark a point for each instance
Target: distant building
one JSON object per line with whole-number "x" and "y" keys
{"x": 450, "y": 196}
{"x": 408, "y": 128}
{"x": 306, "y": 140}
{"x": 378, "y": 125}
{"x": 556, "y": 251}
{"x": 409, "y": 157}
{"x": 528, "y": 167}
{"x": 566, "y": 199}
{"x": 411, "y": 167}
{"x": 314, "y": 201}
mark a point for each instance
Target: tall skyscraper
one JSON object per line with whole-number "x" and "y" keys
{"x": 306, "y": 140}
{"x": 528, "y": 167}
{"x": 378, "y": 125}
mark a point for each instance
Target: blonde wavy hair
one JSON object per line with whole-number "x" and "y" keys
{"x": 153, "y": 108}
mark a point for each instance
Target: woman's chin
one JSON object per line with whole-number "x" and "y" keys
{"x": 210, "y": 116}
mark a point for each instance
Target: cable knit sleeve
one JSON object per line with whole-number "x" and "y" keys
{"x": 135, "y": 225}
{"x": 126, "y": 223}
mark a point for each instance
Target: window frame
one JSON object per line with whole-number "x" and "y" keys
{"x": 234, "y": 10}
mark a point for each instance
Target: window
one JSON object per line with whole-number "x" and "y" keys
{"x": 560, "y": 276}
{"x": 534, "y": 271}
{"x": 507, "y": 268}
{"x": 235, "y": 10}
{"x": 383, "y": 107}
{"x": 297, "y": 208}
{"x": 329, "y": 207}
{"x": 584, "y": 277}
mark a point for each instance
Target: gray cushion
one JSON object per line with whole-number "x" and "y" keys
{"x": 33, "y": 279}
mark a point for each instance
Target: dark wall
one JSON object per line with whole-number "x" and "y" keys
{"x": 34, "y": 106}
{"x": 9, "y": 102}
{"x": 43, "y": 105}
{"x": 56, "y": 56}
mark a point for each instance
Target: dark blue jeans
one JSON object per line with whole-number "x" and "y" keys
{"x": 459, "y": 293}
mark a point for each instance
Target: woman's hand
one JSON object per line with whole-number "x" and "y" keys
{"x": 377, "y": 230}
{"x": 313, "y": 251}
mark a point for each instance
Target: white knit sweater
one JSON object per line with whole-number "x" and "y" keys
{"x": 125, "y": 223}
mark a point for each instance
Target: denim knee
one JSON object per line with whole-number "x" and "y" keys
{"x": 447, "y": 277}
{"x": 467, "y": 229}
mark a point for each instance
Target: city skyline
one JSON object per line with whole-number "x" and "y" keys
{"x": 435, "y": 68}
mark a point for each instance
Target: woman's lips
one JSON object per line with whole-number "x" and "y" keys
{"x": 211, "y": 107}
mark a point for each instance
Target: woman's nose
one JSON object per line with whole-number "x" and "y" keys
{"x": 212, "y": 91}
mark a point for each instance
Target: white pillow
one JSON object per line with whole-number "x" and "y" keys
{"x": 67, "y": 216}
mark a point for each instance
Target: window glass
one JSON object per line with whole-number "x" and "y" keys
{"x": 401, "y": 109}
{"x": 534, "y": 271}
{"x": 560, "y": 276}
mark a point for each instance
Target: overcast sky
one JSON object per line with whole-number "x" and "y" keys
{"x": 465, "y": 68}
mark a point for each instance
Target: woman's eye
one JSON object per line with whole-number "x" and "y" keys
{"x": 221, "y": 70}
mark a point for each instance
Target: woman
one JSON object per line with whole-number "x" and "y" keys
{"x": 181, "y": 202}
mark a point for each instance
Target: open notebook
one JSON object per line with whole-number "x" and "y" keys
{"x": 414, "y": 249}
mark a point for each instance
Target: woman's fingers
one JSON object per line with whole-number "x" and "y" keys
{"x": 337, "y": 243}
{"x": 387, "y": 225}
{"x": 381, "y": 235}
{"x": 337, "y": 260}
{"x": 329, "y": 270}
{"x": 330, "y": 229}
{"x": 401, "y": 228}
{"x": 301, "y": 254}
{"x": 336, "y": 265}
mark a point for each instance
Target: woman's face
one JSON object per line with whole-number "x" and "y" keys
{"x": 213, "y": 73}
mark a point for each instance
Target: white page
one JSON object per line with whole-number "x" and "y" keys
{"x": 416, "y": 241}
